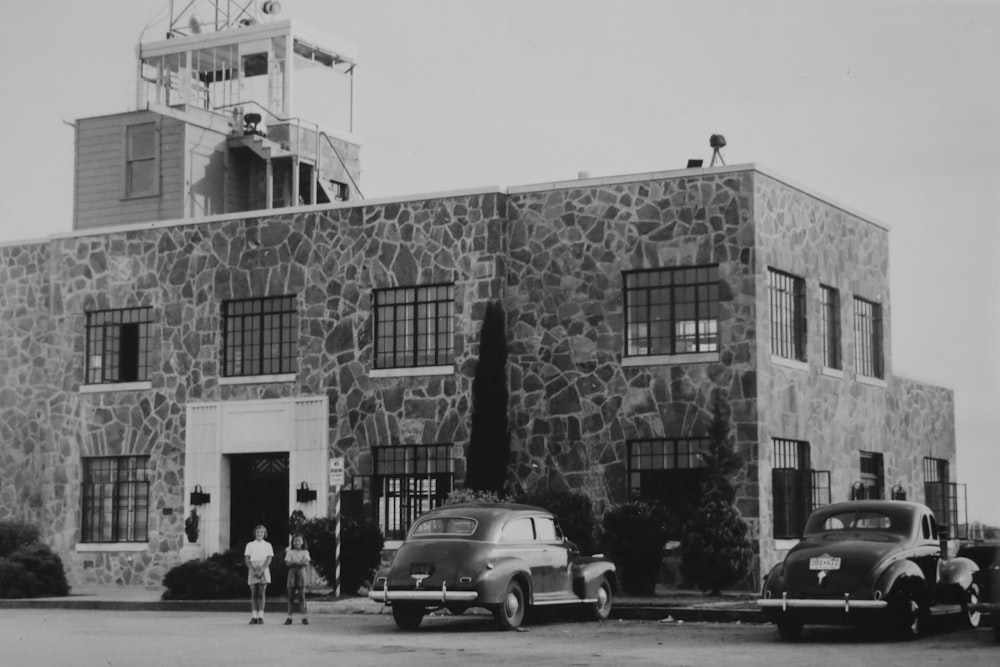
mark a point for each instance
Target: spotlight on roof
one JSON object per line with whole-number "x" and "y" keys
{"x": 717, "y": 141}
{"x": 271, "y": 7}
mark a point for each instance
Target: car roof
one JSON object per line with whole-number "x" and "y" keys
{"x": 872, "y": 505}
{"x": 482, "y": 510}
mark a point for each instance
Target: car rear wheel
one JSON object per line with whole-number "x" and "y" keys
{"x": 996, "y": 626}
{"x": 407, "y": 616}
{"x": 790, "y": 629}
{"x": 510, "y": 613}
{"x": 602, "y": 607}
{"x": 972, "y": 616}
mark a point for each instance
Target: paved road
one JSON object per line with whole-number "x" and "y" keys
{"x": 40, "y": 638}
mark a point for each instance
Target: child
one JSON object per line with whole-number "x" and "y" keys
{"x": 257, "y": 556}
{"x": 297, "y": 558}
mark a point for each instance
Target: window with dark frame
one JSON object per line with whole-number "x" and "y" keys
{"x": 118, "y": 345}
{"x": 872, "y": 476}
{"x": 868, "y": 338}
{"x": 413, "y": 326}
{"x": 667, "y": 471}
{"x": 671, "y": 311}
{"x": 140, "y": 160}
{"x": 788, "y": 314}
{"x": 115, "y": 505}
{"x": 797, "y": 489}
{"x": 830, "y": 325}
{"x": 940, "y": 495}
{"x": 260, "y": 336}
{"x": 409, "y": 480}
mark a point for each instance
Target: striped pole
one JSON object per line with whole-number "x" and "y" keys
{"x": 336, "y": 537}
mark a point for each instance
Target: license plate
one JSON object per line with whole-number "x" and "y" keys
{"x": 421, "y": 568}
{"x": 824, "y": 563}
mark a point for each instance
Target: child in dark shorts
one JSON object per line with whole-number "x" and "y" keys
{"x": 297, "y": 559}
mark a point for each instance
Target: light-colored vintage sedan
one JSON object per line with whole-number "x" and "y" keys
{"x": 505, "y": 558}
{"x": 869, "y": 563}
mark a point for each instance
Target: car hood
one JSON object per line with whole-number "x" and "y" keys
{"x": 444, "y": 561}
{"x": 862, "y": 559}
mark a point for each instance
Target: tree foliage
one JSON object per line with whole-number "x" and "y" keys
{"x": 489, "y": 439}
{"x": 718, "y": 551}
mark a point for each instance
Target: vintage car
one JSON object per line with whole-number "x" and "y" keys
{"x": 505, "y": 558}
{"x": 990, "y": 602}
{"x": 874, "y": 563}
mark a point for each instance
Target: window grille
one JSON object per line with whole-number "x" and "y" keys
{"x": 260, "y": 336}
{"x": 409, "y": 480}
{"x": 413, "y": 326}
{"x": 830, "y": 326}
{"x": 868, "y": 338}
{"x": 797, "y": 489}
{"x": 788, "y": 315}
{"x": 872, "y": 476}
{"x": 115, "y": 499}
{"x": 667, "y": 471}
{"x": 946, "y": 499}
{"x": 672, "y": 311}
{"x": 118, "y": 345}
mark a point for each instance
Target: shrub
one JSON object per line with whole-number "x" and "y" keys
{"x": 361, "y": 547}
{"x": 467, "y": 495}
{"x": 45, "y": 567}
{"x": 14, "y": 536}
{"x": 219, "y": 577}
{"x": 573, "y": 511}
{"x": 16, "y": 581}
{"x": 633, "y": 535}
{"x": 718, "y": 552}
{"x": 489, "y": 438}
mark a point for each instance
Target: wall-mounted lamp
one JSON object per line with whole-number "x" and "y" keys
{"x": 304, "y": 494}
{"x": 898, "y": 492}
{"x": 858, "y": 491}
{"x": 199, "y": 497}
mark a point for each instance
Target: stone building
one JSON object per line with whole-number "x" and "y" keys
{"x": 168, "y": 363}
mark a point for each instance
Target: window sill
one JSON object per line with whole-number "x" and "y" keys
{"x": 784, "y": 544}
{"x": 874, "y": 382}
{"x": 794, "y": 364}
{"x": 833, "y": 372}
{"x": 85, "y": 547}
{"x": 143, "y": 195}
{"x": 115, "y": 386}
{"x": 258, "y": 379}
{"x": 670, "y": 359}
{"x": 410, "y": 372}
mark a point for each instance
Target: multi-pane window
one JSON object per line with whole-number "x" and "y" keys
{"x": 408, "y": 481}
{"x": 797, "y": 489}
{"x": 413, "y": 326}
{"x": 672, "y": 311}
{"x": 788, "y": 315}
{"x": 260, "y": 336}
{"x": 872, "y": 483}
{"x": 939, "y": 495}
{"x": 868, "y": 338}
{"x": 667, "y": 471}
{"x": 118, "y": 345}
{"x": 829, "y": 323}
{"x": 140, "y": 160}
{"x": 115, "y": 499}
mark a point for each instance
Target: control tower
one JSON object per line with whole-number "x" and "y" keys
{"x": 236, "y": 110}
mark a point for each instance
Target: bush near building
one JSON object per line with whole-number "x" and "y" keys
{"x": 361, "y": 543}
{"x": 633, "y": 536}
{"x": 28, "y": 568}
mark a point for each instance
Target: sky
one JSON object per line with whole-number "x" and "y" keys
{"x": 890, "y": 107}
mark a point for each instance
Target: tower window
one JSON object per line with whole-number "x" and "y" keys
{"x": 141, "y": 172}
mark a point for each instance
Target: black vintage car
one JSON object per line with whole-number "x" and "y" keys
{"x": 875, "y": 563}
{"x": 502, "y": 557}
{"x": 991, "y": 582}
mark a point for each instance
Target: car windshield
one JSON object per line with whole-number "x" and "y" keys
{"x": 444, "y": 526}
{"x": 852, "y": 520}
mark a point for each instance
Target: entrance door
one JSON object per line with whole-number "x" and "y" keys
{"x": 259, "y": 496}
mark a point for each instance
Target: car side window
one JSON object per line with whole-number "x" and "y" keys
{"x": 925, "y": 527}
{"x": 545, "y": 529}
{"x": 933, "y": 526}
{"x": 518, "y": 530}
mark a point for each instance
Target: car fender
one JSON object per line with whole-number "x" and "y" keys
{"x": 587, "y": 576}
{"x": 493, "y": 583}
{"x": 773, "y": 579}
{"x": 955, "y": 577}
{"x": 900, "y": 572}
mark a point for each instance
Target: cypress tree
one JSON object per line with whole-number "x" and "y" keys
{"x": 489, "y": 440}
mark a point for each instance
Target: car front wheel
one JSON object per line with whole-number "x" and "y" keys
{"x": 407, "y": 616}
{"x": 510, "y": 613}
{"x": 602, "y": 606}
{"x": 909, "y": 614}
{"x": 972, "y": 616}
